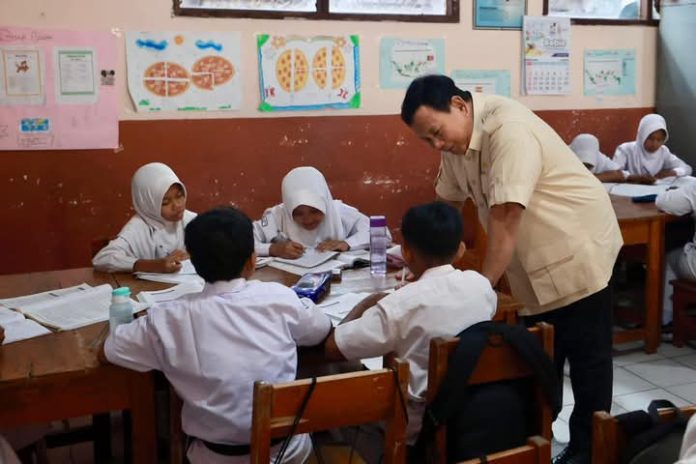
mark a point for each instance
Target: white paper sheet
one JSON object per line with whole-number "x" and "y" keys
{"x": 23, "y": 329}
{"x": 373, "y": 364}
{"x": 75, "y": 75}
{"x": 176, "y": 278}
{"x": 170, "y": 294}
{"x": 23, "y": 302}
{"x": 338, "y": 307}
{"x": 298, "y": 270}
{"x": 310, "y": 259}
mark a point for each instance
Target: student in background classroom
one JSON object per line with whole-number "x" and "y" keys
{"x": 649, "y": 156}
{"x": 679, "y": 263}
{"x": 309, "y": 217}
{"x": 441, "y": 302}
{"x": 153, "y": 239}
{"x": 586, "y": 147}
{"x": 212, "y": 346}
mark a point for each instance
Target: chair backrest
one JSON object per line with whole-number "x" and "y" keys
{"x": 608, "y": 438}
{"x": 536, "y": 451}
{"x": 337, "y": 401}
{"x": 498, "y": 361}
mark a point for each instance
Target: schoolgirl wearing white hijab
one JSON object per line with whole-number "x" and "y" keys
{"x": 586, "y": 147}
{"x": 153, "y": 239}
{"x": 648, "y": 156}
{"x": 309, "y": 217}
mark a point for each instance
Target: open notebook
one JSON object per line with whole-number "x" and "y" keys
{"x": 68, "y": 308}
{"x": 17, "y": 327}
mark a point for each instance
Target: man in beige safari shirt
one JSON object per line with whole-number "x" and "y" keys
{"x": 550, "y": 225}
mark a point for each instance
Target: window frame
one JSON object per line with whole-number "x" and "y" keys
{"x": 322, "y": 13}
{"x": 649, "y": 21}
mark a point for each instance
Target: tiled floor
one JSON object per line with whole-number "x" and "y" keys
{"x": 638, "y": 379}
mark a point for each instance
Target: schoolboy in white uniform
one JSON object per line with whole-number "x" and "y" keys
{"x": 442, "y": 302}
{"x": 213, "y": 346}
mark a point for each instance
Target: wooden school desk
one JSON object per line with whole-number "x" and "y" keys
{"x": 643, "y": 224}
{"x": 58, "y": 376}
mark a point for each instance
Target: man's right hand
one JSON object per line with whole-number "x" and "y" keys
{"x": 287, "y": 249}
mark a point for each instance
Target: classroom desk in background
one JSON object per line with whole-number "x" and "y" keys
{"x": 58, "y": 376}
{"x": 644, "y": 224}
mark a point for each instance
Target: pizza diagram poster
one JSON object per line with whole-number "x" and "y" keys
{"x": 176, "y": 71}
{"x": 307, "y": 73}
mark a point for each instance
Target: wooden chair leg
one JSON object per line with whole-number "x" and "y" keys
{"x": 101, "y": 426}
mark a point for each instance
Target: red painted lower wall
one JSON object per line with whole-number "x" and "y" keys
{"x": 55, "y": 203}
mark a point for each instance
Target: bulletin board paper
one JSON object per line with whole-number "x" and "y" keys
{"x": 308, "y": 73}
{"x": 177, "y": 71}
{"x": 483, "y": 81}
{"x": 610, "y": 72}
{"x": 402, "y": 60}
{"x": 57, "y": 89}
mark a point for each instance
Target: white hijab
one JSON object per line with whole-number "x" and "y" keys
{"x": 148, "y": 187}
{"x": 307, "y": 186}
{"x": 638, "y": 159}
{"x": 586, "y": 147}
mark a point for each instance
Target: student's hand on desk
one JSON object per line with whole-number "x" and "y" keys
{"x": 287, "y": 249}
{"x": 333, "y": 245}
{"x": 180, "y": 255}
{"x": 665, "y": 173}
{"x": 640, "y": 179}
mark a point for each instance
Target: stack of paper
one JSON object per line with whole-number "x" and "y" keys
{"x": 338, "y": 307}
{"x": 170, "y": 294}
{"x": 68, "y": 308}
{"x": 17, "y": 327}
{"x": 310, "y": 259}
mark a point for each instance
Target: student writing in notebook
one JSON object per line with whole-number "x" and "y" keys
{"x": 212, "y": 346}
{"x": 648, "y": 155}
{"x": 442, "y": 302}
{"x": 309, "y": 217}
{"x": 586, "y": 147}
{"x": 153, "y": 239}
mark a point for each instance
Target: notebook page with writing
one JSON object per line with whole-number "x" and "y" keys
{"x": 311, "y": 258}
{"x": 36, "y": 298}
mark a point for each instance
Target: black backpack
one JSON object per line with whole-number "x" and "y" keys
{"x": 649, "y": 439}
{"x": 492, "y": 417}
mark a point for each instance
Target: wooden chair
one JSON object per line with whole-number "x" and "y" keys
{"x": 536, "y": 451}
{"x": 684, "y": 324}
{"x": 337, "y": 401}
{"x": 498, "y": 361}
{"x": 609, "y": 440}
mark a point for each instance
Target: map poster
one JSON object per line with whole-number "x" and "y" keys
{"x": 402, "y": 60}
{"x": 610, "y": 72}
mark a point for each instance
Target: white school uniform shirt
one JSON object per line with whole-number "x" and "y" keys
{"x": 681, "y": 201}
{"x": 442, "y": 303}
{"x": 307, "y": 186}
{"x": 147, "y": 235}
{"x": 213, "y": 346}
{"x": 586, "y": 147}
{"x": 635, "y": 159}
{"x": 7, "y": 454}
{"x": 687, "y": 454}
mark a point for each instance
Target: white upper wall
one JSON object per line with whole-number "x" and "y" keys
{"x": 465, "y": 48}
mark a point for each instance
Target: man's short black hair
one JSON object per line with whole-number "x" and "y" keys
{"x": 435, "y": 91}
{"x": 434, "y": 229}
{"x": 219, "y": 241}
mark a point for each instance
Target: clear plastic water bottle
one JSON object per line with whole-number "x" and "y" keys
{"x": 378, "y": 245}
{"x": 121, "y": 309}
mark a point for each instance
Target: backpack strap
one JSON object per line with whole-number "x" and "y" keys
{"x": 452, "y": 392}
{"x": 643, "y": 429}
{"x": 533, "y": 353}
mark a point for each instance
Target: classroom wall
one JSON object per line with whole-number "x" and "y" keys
{"x": 54, "y": 203}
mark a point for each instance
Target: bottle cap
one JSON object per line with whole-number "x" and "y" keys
{"x": 121, "y": 291}
{"x": 378, "y": 221}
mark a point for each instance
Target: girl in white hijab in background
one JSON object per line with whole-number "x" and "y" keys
{"x": 309, "y": 217}
{"x": 586, "y": 147}
{"x": 648, "y": 156}
{"x": 153, "y": 239}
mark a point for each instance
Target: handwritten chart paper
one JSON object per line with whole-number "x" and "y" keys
{"x": 308, "y": 73}
{"x": 483, "y": 81}
{"x": 610, "y": 72}
{"x": 57, "y": 89}
{"x": 402, "y": 60}
{"x": 176, "y": 71}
